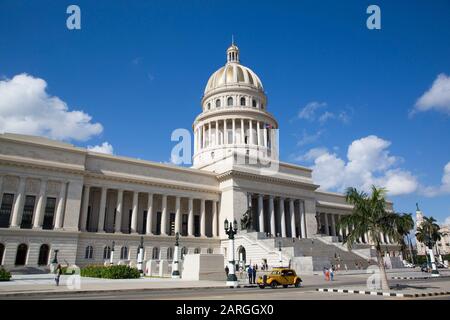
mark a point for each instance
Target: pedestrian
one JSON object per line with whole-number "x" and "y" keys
{"x": 326, "y": 273}
{"x": 58, "y": 272}
{"x": 250, "y": 274}
{"x": 227, "y": 270}
{"x": 331, "y": 272}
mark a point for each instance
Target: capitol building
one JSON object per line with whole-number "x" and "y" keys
{"x": 56, "y": 196}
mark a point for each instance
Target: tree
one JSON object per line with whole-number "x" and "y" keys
{"x": 371, "y": 216}
{"x": 404, "y": 226}
{"x": 429, "y": 234}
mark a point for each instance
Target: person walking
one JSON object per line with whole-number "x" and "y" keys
{"x": 227, "y": 270}
{"x": 331, "y": 273}
{"x": 58, "y": 272}
{"x": 326, "y": 273}
{"x": 254, "y": 274}
{"x": 250, "y": 274}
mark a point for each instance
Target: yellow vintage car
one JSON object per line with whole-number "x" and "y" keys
{"x": 279, "y": 276}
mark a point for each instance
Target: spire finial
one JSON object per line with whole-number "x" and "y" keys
{"x": 417, "y": 206}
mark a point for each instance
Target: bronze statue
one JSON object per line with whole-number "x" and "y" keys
{"x": 246, "y": 220}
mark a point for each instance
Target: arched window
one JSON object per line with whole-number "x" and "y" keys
{"x": 21, "y": 256}
{"x": 218, "y": 103}
{"x": 106, "y": 253}
{"x": 155, "y": 253}
{"x": 43, "y": 255}
{"x": 2, "y": 251}
{"x": 262, "y": 106}
{"x": 89, "y": 252}
{"x": 184, "y": 252}
{"x": 170, "y": 253}
{"x": 242, "y": 257}
{"x": 197, "y": 250}
{"x": 210, "y": 251}
{"x": 229, "y": 101}
{"x": 254, "y": 103}
{"x": 242, "y": 101}
{"x": 124, "y": 253}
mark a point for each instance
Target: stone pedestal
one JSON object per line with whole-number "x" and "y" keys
{"x": 203, "y": 267}
{"x": 163, "y": 268}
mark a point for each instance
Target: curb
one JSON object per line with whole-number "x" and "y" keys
{"x": 409, "y": 278}
{"x": 70, "y": 292}
{"x": 385, "y": 294}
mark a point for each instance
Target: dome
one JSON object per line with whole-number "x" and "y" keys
{"x": 233, "y": 73}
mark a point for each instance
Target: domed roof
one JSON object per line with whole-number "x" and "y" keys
{"x": 233, "y": 73}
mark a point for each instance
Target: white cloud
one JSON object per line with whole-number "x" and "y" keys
{"x": 312, "y": 112}
{"x": 312, "y": 154}
{"x": 105, "y": 147}
{"x": 368, "y": 162}
{"x": 309, "y": 138}
{"x": 27, "y": 108}
{"x": 309, "y": 111}
{"x": 437, "y": 97}
{"x": 444, "y": 188}
{"x": 447, "y": 221}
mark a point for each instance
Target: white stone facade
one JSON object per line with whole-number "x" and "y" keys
{"x": 55, "y": 196}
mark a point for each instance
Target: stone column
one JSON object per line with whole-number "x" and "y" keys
{"x": 282, "y": 218}
{"x": 191, "y": 217}
{"x": 203, "y": 136}
{"x": 148, "y": 227}
{"x": 177, "y": 214}
{"x": 250, "y": 130}
{"x": 40, "y": 207}
{"x": 301, "y": 206}
{"x": 225, "y": 133}
{"x": 18, "y": 204}
{"x": 272, "y": 216}
{"x": 215, "y": 230}
{"x": 202, "y": 218}
{"x": 119, "y": 206}
{"x": 258, "y": 133}
{"x": 292, "y": 215}
{"x": 327, "y": 229}
{"x": 101, "y": 212}
{"x": 217, "y": 133}
{"x": 164, "y": 215}
{"x": 134, "y": 213}
{"x": 265, "y": 135}
{"x": 84, "y": 208}
{"x": 234, "y": 131}
{"x": 333, "y": 226}
{"x": 61, "y": 204}
{"x": 261, "y": 212}
{"x": 242, "y": 132}
{"x": 209, "y": 134}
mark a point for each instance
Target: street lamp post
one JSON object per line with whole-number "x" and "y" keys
{"x": 111, "y": 258}
{"x": 231, "y": 230}
{"x": 55, "y": 258}
{"x": 140, "y": 255}
{"x": 175, "y": 264}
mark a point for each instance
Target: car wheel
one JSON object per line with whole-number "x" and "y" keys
{"x": 262, "y": 286}
{"x": 285, "y": 285}
{"x": 297, "y": 283}
{"x": 274, "y": 284}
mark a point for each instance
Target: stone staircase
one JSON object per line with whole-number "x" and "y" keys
{"x": 303, "y": 254}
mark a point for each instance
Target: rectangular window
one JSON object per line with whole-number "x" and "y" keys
{"x": 5, "y": 209}
{"x": 184, "y": 225}
{"x": 172, "y": 224}
{"x": 158, "y": 223}
{"x": 49, "y": 213}
{"x": 197, "y": 225}
{"x": 27, "y": 215}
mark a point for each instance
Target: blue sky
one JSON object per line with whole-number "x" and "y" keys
{"x": 139, "y": 68}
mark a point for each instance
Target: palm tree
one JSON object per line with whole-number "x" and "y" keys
{"x": 404, "y": 227}
{"x": 370, "y": 216}
{"x": 429, "y": 234}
